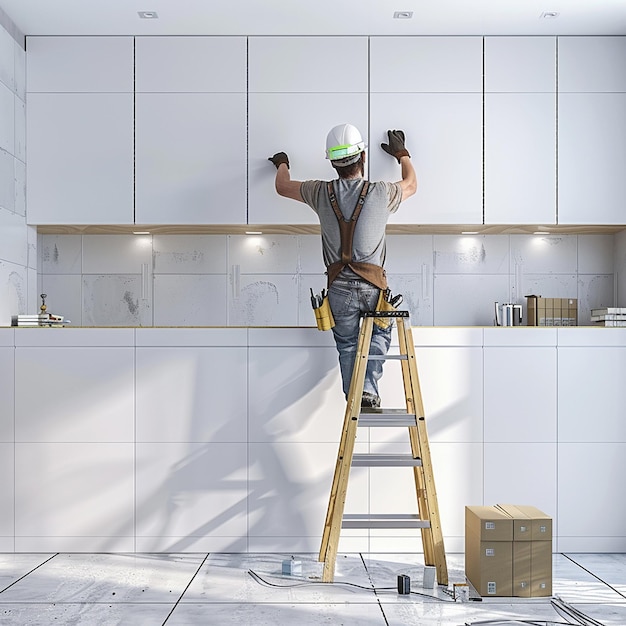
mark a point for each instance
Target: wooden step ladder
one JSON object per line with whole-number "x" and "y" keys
{"x": 412, "y": 416}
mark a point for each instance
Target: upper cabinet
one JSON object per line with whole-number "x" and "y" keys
{"x": 296, "y": 95}
{"x": 79, "y": 121}
{"x": 430, "y": 87}
{"x": 592, "y": 130}
{"x": 190, "y": 130}
{"x": 520, "y": 130}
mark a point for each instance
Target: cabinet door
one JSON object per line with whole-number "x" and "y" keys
{"x": 592, "y": 159}
{"x": 296, "y": 123}
{"x": 296, "y": 96}
{"x": 80, "y": 158}
{"x": 444, "y": 137}
{"x": 426, "y": 64}
{"x": 592, "y": 64}
{"x": 190, "y": 158}
{"x": 190, "y": 64}
{"x": 79, "y": 64}
{"x": 520, "y": 158}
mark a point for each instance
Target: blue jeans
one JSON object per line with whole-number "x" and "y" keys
{"x": 348, "y": 299}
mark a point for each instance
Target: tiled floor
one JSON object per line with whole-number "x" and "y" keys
{"x": 216, "y": 589}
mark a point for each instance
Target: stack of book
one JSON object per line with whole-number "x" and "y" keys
{"x": 609, "y": 316}
{"x": 43, "y": 319}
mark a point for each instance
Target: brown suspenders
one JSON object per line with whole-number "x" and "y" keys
{"x": 370, "y": 272}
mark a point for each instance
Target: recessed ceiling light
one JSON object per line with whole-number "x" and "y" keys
{"x": 549, "y": 15}
{"x": 403, "y": 15}
{"x": 148, "y": 15}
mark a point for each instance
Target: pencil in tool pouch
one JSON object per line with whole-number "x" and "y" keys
{"x": 386, "y": 303}
{"x": 321, "y": 307}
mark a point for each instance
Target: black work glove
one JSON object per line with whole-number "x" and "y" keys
{"x": 395, "y": 147}
{"x": 278, "y": 158}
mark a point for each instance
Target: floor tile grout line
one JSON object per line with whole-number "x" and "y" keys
{"x": 185, "y": 589}
{"x": 594, "y": 575}
{"x": 380, "y": 606}
{"x": 29, "y": 573}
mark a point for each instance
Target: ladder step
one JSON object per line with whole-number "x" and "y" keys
{"x": 384, "y": 520}
{"x": 387, "y": 357}
{"x": 386, "y": 417}
{"x": 385, "y": 460}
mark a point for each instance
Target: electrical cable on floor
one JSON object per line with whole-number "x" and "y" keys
{"x": 560, "y": 606}
{"x": 262, "y": 581}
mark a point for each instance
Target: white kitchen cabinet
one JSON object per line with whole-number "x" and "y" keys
{"x": 190, "y": 64}
{"x": 80, "y": 64}
{"x": 190, "y": 158}
{"x": 444, "y": 137}
{"x": 295, "y": 123}
{"x": 592, "y": 130}
{"x": 592, "y": 159}
{"x": 520, "y": 130}
{"x": 84, "y": 394}
{"x": 426, "y": 64}
{"x": 521, "y": 397}
{"x": 80, "y": 158}
{"x": 7, "y": 390}
{"x": 296, "y": 96}
{"x": 308, "y": 65}
{"x": 520, "y": 158}
{"x": 178, "y": 399}
{"x": 591, "y": 393}
{"x": 592, "y": 64}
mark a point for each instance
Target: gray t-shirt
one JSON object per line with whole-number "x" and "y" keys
{"x": 369, "y": 245}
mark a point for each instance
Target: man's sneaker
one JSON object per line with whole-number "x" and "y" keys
{"x": 370, "y": 401}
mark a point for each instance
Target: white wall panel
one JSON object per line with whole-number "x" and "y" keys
{"x": 7, "y": 497}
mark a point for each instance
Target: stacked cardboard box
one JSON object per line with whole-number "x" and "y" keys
{"x": 508, "y": 550}
{"x": 551, "y": 311}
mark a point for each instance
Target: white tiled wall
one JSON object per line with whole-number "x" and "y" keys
{"x": 265, "y": 280}
{"x": 18, "y": 261}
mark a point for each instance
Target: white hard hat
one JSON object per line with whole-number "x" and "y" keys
{"x": 344, "y": 144}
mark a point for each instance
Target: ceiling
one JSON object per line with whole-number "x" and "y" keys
{"x": 317, "y": 17}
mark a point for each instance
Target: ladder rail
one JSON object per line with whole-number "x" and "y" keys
{"x": 419, "y": 460}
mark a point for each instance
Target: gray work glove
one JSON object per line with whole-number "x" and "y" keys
{"x": 278, "y": 158}
{"x": 395, "y": 147}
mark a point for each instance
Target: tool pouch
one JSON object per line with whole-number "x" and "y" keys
{"x": 323, "y": 315}
{"x": 384, "y": 305}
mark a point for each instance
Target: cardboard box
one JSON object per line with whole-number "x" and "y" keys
{"x": 551, "y": 311}
{"x": 508, "y": 550}
{"x": 489, "y": 550}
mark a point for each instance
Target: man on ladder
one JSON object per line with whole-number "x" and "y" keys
{"x": 354, "y": 212}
